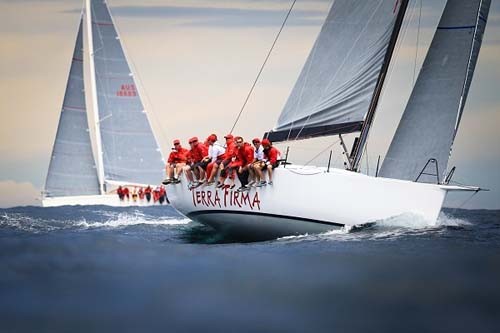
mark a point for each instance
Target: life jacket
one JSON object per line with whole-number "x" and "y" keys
{"x": 148, "y": 190}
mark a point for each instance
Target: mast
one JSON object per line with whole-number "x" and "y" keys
{"x": 100, "y": 163}
{"x": 359, "y": 145}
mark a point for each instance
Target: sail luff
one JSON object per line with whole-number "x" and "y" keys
{"x": 367, "y": 123}
{"x": 72, "y": 165}
{"x": 95, "y": 105}
{"x": 431, "y": 118}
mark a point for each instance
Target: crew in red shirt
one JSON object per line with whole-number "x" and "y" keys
{"x": 126, "y": 193}
{"x": 226, "y": 160}
{"x": 176, "y": 162}
{"x": 147, "y": 193}
{"x": 242, "y": 160}
{"x": 271, "y": 156}
{"x": 195, "y": 156}
{"x": 120, "y": 193}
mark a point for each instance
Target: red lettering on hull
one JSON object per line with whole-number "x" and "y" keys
{"x": 231, "y": 199}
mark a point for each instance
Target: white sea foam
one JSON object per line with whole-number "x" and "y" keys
{"x": 391, "y": 228}
{"x": 448, "y": 221}
{"x": 124, "y": 220}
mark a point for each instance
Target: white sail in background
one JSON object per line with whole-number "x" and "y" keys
{"x": 333, "y": 92}
{"x": 72, "y": 169}
{"x": 432, "y": 115}
{"x": 130, "y": 152}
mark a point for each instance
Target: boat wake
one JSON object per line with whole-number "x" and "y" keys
{"x": 388, "y": 229}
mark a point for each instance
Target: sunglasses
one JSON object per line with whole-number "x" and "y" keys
{"x": 191, "y": 142}
{"x": 239, "y": 141}
{"x": 176, "y": 144}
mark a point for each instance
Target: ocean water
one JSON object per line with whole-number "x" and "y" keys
{"x": 101, "y": 269}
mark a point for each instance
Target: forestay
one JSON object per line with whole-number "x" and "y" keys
{"x": 432, "y": 115}
{"x": 333, "y": 92}
{"x": 66, "y": 178}
{"x": 130, "y": 150}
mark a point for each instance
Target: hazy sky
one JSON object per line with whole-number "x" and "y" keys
{"x": 196, "y": 60}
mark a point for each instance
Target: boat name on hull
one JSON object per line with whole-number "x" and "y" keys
{"x": 226, "y": 199}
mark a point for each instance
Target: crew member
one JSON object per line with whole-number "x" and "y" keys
{"x": 162, "y": 194}
{"x": 147, "y": 193}
{"x": 215, "y": 155}
{"x": 242, "y": 160}
{"x": 176, "y": 162}
{"x": 258, "y": 163}
{"x": 271, "y": 155}
{"x": 195, "y": 156}
{"x": 120, "y": 193}
{"x": 224, "y": 165}
{"x": 126, "y": 193}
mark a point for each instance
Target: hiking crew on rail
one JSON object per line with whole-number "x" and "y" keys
{"x": 203, "y": 161}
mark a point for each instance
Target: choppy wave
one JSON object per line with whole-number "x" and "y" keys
{"x": 165, "y": 223}
{"x": 35, "y": 220}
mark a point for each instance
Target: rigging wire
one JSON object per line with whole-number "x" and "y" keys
{"x": 466, "y": 201}
{"x": 321, "y": 152}
{"x": 262, "y": 67}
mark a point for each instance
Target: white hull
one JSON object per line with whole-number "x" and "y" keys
{"x": 89, "y": 200}
{"x": 307, "y": 200}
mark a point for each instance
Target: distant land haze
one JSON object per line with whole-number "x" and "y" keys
{"x": 195, "y": 62}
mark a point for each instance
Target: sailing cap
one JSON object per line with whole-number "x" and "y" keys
{"x": 177, "y": 142}
{"x": 229, "y": 136}
{"x": 266, "y": 142}
{"x": 193, "y": 139}
{"x": 256, "y": 140}
{"x": 212, "y": 138}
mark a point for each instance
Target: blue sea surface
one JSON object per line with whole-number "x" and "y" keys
{"x": 103, "y": 269}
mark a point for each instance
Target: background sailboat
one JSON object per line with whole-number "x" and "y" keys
{"x": 337, "y": 93}
{"x": 127, "y": 152}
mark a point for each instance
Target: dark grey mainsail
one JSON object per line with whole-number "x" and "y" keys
{"x": 72, "y": 169}
{"x": 333, "y": 92}
{"x": 130, "y": 152}
{"x": 432, "y": 115}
